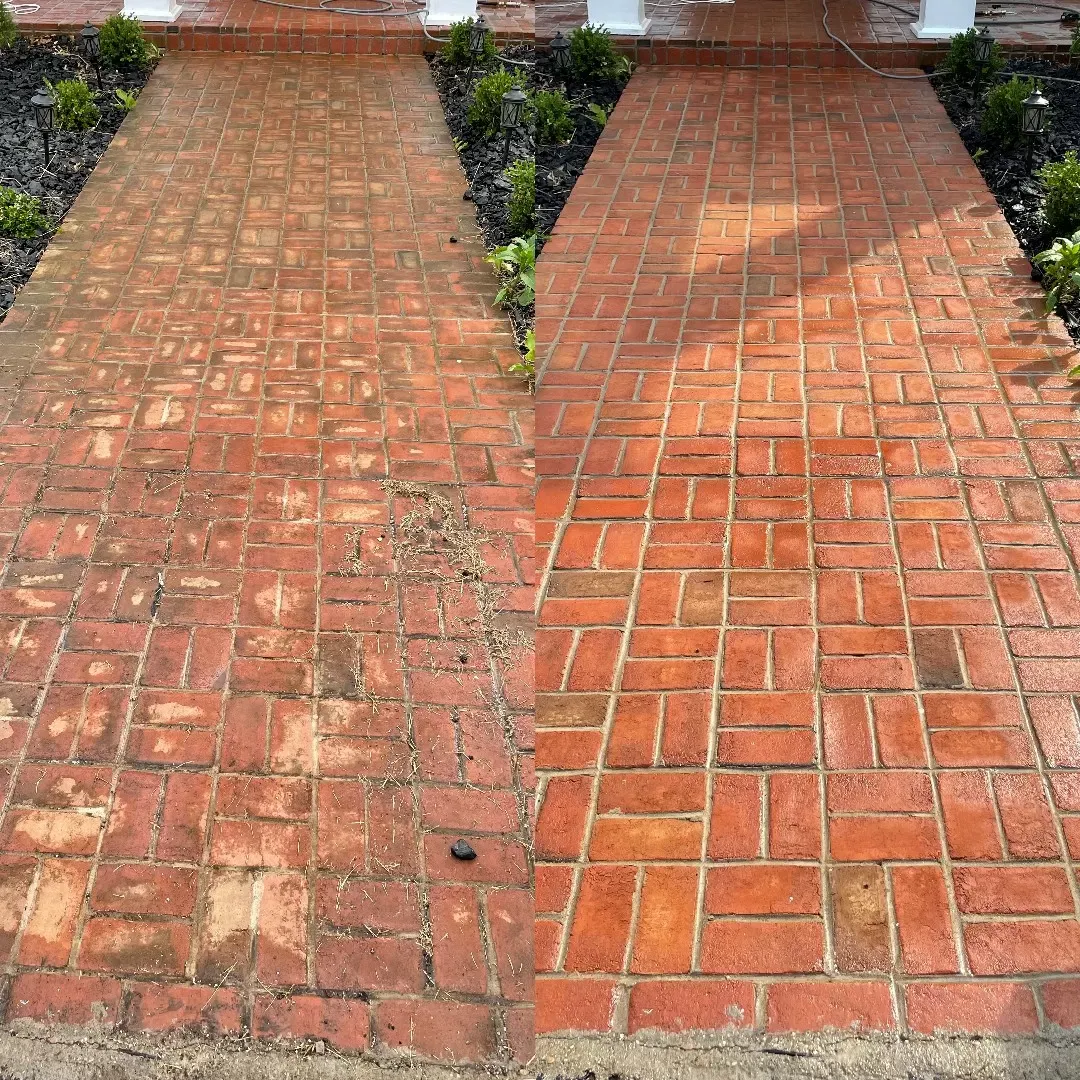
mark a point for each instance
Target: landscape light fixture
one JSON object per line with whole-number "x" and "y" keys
{"x": 44, "y": 107}
{"x": 90, "y": 40}
{"x": 511, "y": 114}
{"x": 1032, "y": 119}
{"x": 560, "y": 54}
{"x": 984, "y": 51}
{"x": 478, "y": 33}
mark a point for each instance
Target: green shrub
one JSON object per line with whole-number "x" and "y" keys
{"x": 20, "y": 215}
{"x": 122, "y": 44}
{"x": 456, "y": 50}
{"x": 591, "y": 53}
{"x": 1005, "y": 110}
{"x": 486, "y": 105}
{"x": 8, "y": 31}
{"x": 1061, "y": 182}
{"x": 522, "y": 202}
{"x": 554, "y": 124}
{"x": 516, "y": 264}
{"x": 75, "y": 108}
{"x": 960, "y": 63}
{"x": 1074, "y": 48}
{"x": 1061, "y": 271}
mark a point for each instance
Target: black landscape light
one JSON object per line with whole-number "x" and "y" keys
{"x": 511, "y": 115}
{"x": 90, "y": 40}
{"x": 478, "y": 33}
{"x": 560, "y": 54}
{"x": 984, "y": 51}
{"x": 1032, "y": 119}
{"x": 44, "y": 107}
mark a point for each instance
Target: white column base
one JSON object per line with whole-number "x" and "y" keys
{"x": 623, "y": 18}
{"x": 445, "y": 12}
{"x": 160, "y": 11}
{"x": 944, "y": 18}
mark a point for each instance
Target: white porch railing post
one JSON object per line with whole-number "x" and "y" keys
{"x": 944, "y": 18}
{"x": 157, "y": 11}
{"x": 445, "y": 12}
{"x": 624, "y": 18}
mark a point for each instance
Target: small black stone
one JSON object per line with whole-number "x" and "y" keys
{"x": 467, "y": 196}
{"x": 462, "y": 849}
{"x": 453, "y": 239}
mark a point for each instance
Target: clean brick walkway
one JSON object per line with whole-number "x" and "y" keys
{"x": 808, "y": 741}
{"x": 249, "y": 691}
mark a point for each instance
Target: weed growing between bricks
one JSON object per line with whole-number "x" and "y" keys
{"x": 23, "y": 69}
{"x": 1004, "y": 165}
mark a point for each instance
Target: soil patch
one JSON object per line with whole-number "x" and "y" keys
{"x": 23, "y": 69}
{"x": 1018, "y": 191}
{"x": 557, "y": 165}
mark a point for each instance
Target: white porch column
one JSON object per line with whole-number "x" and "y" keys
{"x": 159, "y": 11}
{"x": 944, "y": 18}
{"x": 623, "y": 18}
{"x": 445, "y": 12}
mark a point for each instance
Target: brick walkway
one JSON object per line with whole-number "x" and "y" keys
{"x": 809, "y": 743}
{"x": 265, "y": 501}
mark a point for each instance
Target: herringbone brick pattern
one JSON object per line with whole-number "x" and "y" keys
{"x": 807, "y": 685}
{"x": 265, "y": 508}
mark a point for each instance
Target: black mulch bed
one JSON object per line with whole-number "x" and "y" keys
{"x": 1019, "y": 193}
{"x": 23, "y": 69}
{"x": 557, "y": 165}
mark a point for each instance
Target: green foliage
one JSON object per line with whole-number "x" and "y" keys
{"x": 20, "y": 215}
{"x": 516, "y": 264}
{"x": 75, "y": 108}
{"x": 1061, "y": 182}
{"x": 486, "y": 105}
{"x": 1061, "y": 271}
{"x": 1005, "y": 109}
{"x": 598, "y": 114}
{"x": 456, "y": 50}
{"x": 592, "y": 55}
{"x": 960, "y": 60}
{"x": 1074, "y": 48}
{"x": 122, "y": 44}
{"x": 527, "y": 365}
{"x": 8, "y": 31}
{"x": 522, "y": 202}
{"x": 125, "y": 99}
{"x": 554, "y": 124}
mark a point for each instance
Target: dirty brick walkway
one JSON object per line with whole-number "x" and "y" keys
{"x": 265, "y": 502}
{"x": 808, "y": 734}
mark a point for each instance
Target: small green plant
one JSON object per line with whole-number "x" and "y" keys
{"x": 1074, "y": 48}
{"x": 8, "y": 31}
{"x": 457, "y": 50}
{"x": 960, "y": 62}
{"x": 516, "y": 264}
{"x": 598, "y": 114}
{"x": 527, "y": 365}
{"x": 122, "y": 44}
{"x": 75, "y": 108}
{"x": 486, "y": 105}
{"x": 1060, "y": 265}
{"x": 521, "y": 206}
{"x": 1004, "y": 111}
{"x": 125, "y": 99}
{"x": 460, "y": 145}
{"x": 1061, "y": 182}
{"x": 591, "y": 53}
{"x": 554, "y": 124}
{"x": 21, "y": 216}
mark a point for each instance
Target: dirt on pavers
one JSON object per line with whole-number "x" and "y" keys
{"x": 61, "y": 1053}
{"x": 829, "y": 1056}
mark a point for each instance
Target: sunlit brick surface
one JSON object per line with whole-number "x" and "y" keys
{"x": 250, "y": 694}
{"x": 806, "y": 675}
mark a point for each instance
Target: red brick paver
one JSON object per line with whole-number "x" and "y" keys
{"x": 264, "y": 27}
{"x": 770, "y": 33}
{"x": 265, "y": 506}
{"x": 807, "y": 687}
